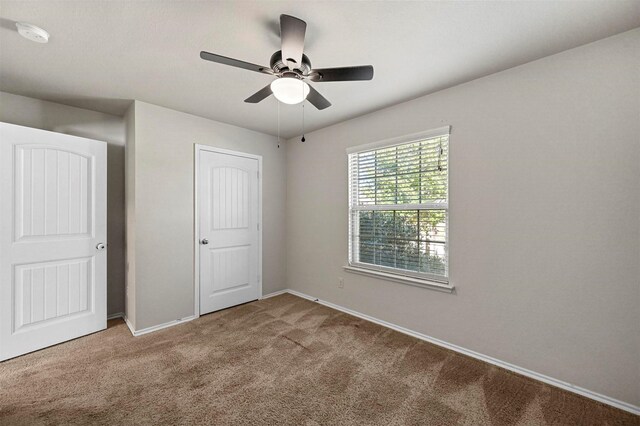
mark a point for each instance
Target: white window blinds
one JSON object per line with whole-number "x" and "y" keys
{"x": 398, "y": 208}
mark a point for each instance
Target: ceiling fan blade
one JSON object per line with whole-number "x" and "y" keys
{"x": 259, "y": 95}
{"x": 317, "y": 100}
{"x": 234, "y": 62}
{"x": 292, "y": 32}
{"x": 362, "y": 72}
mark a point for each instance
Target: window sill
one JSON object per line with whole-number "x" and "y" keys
{"x": 416, "y": 282}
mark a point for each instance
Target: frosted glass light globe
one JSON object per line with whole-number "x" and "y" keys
{"x": 290, "y": 90}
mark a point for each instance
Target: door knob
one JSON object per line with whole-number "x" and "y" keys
{"x": 101, "y": 246}
{"x": 205, "y": 241}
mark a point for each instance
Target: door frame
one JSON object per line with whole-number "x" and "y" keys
{"x": 198, "y": 148}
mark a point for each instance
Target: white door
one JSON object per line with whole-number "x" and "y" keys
{"x": 52, "y": 238}
{"x": 229, "y": 206}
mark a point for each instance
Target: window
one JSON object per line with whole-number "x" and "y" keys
{"x": 398, "y": 206}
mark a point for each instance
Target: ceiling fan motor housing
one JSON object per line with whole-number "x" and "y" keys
{"x": 279, "y": 66}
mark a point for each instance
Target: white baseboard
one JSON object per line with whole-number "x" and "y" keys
{"x": 176, "y": 322}
{"x": 507, "y": 366}
{"x": 137, "y": 333}
{"x": 129, "y": 325}
{"x": 275, "y": 293}
{"x": 116, "y": 315}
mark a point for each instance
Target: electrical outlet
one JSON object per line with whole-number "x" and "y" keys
{"x": 340, "y": 282}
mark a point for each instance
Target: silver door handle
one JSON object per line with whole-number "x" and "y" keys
{"x": 204, "y": 241}
{"x": 101, "y": 246}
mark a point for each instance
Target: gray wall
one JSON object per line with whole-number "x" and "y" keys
{"x": 95, "y": 125}
{"x": 544, "y": 217}
{"x": 164, "y": 222}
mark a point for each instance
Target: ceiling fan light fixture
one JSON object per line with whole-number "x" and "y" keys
{"x": 290, "y": 90}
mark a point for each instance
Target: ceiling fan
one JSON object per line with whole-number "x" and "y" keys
{"x": 292, "y": 67}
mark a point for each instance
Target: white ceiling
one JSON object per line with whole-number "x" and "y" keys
{"x": 103, "y": 54}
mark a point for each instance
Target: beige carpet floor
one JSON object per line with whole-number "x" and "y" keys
{"x": 282, "y": 360}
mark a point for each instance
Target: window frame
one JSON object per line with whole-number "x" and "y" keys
{"x": 397, "y": 274}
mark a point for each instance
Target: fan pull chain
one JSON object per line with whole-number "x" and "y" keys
{"x": 303, "y": 139}
{"x": 278, "y": 102}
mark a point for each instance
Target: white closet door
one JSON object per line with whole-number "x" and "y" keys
{"x": 52, "y": 238}
{"x": 228, "y": 198}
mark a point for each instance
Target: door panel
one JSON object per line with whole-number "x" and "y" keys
{"x": 52, "y": 217}
{"x": 52, "y": 196}
{"x": 230, "y": 200}
{"x": 230, "y": 268}
{"x": 46, "y": 291}
{"x": 228, "y": 193}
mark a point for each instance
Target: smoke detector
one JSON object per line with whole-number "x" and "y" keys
{"x": 33, "y": 33}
